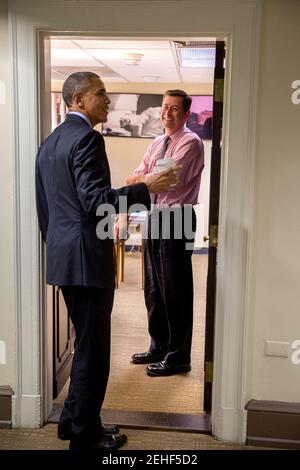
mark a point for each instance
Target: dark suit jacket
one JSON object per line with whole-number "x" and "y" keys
{"x": 72, "y": 180}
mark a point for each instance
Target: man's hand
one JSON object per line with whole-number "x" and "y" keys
{"x": 135, "y": 179}
{"x": 163, "y": 181}
{"x": 120, "y": 228}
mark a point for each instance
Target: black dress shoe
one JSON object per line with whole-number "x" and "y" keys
{"x": 163, "y": 369}
{"x": 107, "y": 442}
{"x": 147, "y": 357}
{"x": 64, "y": 431}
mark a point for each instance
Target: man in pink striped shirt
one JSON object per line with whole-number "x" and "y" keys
{"x": 168, "y": 286}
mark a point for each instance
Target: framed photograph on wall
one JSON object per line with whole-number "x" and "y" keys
{"x": 133, "y": 115}
{"x": 138, "y": 115}
{"x": 200, "y": 120}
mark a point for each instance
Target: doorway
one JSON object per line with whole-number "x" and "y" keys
{"x": 184, "y": 410}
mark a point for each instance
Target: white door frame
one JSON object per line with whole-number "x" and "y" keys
{"x": 239, "y": 22}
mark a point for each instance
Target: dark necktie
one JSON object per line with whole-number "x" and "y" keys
{"x": 164, "y": 147}
{"x": 161, "y": 156}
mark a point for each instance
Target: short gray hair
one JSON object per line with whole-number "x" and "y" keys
{"x": 78, "y": 81}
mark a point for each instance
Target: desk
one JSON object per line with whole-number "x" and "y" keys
{"x": 135, "y": 231}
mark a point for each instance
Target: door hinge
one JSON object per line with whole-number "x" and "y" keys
{"x": 209, "y": 368}
{"x": 213, "y": 236}
{"x": 219, "y": 90}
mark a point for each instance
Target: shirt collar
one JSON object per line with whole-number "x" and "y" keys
{"x": 83, "y": 116}
{"x": 177, "y": 133}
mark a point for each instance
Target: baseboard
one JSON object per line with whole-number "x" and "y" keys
{"x": 273, "y": 424}
{"x": 5, "y": 406}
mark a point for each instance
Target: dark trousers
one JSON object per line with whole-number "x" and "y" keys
{"x": 90, "y": 311}
{"x": 168, "y": 286}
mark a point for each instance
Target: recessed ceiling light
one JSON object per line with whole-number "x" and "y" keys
{"x": 132, "y": 59}
{"x": 195, "y": 54}
{"x": 151, "y": 78}
{"x": 199, "y": 57}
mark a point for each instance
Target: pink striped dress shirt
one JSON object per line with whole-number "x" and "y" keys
{"x": 187, "y": 150}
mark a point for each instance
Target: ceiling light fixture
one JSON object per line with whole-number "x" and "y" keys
{"x": 196, "y": 54}
{"x": 151, "y": 78}
{"x": 132, "y": 59}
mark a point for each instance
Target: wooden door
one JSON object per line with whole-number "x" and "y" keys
{"x": 58, "y": 323}
{"x": 213, "y": 221}
{"x": 63, "y": 342}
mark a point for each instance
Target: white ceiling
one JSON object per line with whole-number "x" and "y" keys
{"x": 106, "y": 57}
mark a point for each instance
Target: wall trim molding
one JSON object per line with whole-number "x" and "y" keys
{"x": 236, "y": 20}
{"x": 26, "y": 411}
{"x": 6, "y": 394}
{"x": 273, "y": 424}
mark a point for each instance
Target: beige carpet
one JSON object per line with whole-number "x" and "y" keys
{"x": 129, "y": 387}
{"x": 46, "y": 439}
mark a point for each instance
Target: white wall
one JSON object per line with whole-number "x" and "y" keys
{"x": 276, "y": 257}
{"x": 7, "y": 318}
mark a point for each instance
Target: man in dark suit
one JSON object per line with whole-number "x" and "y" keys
{"x": 72, "y": 181}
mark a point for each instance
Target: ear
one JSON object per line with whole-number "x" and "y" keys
{"x": 187, "y": 114}
{"x": 77, "y": 99}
